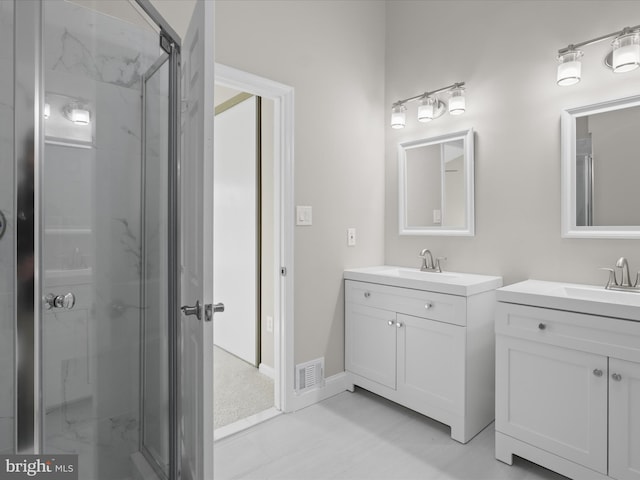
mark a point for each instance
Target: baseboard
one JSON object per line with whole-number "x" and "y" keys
{"x": 267, "y": 370}
{"x": 333, "y": 385}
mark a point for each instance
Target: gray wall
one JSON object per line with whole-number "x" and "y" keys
{"x": 332, "y": 53}
{"x": 505, "y": 51}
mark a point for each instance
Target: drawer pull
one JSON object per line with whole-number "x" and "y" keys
{"x": 616, "y": 376}
{"x": 542, "y": 326}
{"x": 428, "y": 305}
{"x": 597, "y": 372}
{"x": 391, "y": 323}
{"x": 367, "y": 294}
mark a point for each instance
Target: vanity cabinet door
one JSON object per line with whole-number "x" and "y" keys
{"x": 370, "y": 343}
{"x": 431, "y": 362}
{"x": 553, "y": 398}
{"x": 624, "y": 420}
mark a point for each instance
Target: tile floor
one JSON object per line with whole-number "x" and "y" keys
{"x": 362, "y": 436}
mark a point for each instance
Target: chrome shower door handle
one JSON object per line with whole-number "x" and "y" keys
{"x": 195, "y": 310}
{"x": 60, "y": 301}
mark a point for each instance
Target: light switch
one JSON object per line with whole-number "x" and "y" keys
{"x": 304, "y": 215}
{"x": 351, "y": 237}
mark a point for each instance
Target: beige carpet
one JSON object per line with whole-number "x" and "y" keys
{"x": 239, "y": 389}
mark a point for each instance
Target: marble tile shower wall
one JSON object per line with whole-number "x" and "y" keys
{"x": 7, "y": 267}
{"x": 92, "y": 238}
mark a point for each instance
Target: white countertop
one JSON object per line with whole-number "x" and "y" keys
{"x": 454, "y": 283}
{"x": 574, "y": 297}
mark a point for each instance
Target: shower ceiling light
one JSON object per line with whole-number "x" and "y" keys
{"x": 78, "y": 114}
{"x": 624, "y": 57}
{"x": 430, "y": 106}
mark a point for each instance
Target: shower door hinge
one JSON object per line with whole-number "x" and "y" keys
{"x": 283, "y": 271}
{"x": 165, "y": 42}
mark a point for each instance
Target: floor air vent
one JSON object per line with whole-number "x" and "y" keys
{"x": 310, "y": 375}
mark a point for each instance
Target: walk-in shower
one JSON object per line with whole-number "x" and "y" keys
{"x": 87, "y": 163}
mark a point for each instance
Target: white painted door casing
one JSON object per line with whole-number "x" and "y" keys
{"x": 196, "y": 213}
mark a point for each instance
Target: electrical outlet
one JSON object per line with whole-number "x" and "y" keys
{"x": 351, "y": 237}
{"x": 269, "y": 324}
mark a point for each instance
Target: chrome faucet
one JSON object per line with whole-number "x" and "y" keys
{"x": 624, "y": 265}
{"x": 428, "y": 265}
{"x": 625, "y": 280}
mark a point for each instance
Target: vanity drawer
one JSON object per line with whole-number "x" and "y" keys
{"x": 596, "y": 334}
{"x": 418, "y": 303}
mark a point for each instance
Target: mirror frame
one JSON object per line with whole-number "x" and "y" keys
{"x": 568, "y": 173}
{"x": 469, "y": 227}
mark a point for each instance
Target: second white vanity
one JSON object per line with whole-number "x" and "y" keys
{"x": 568, "y": 379}
{"x": 424, "y": 340}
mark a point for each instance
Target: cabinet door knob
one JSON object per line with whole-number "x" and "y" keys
{"x": 391, "y": 323}
{"x": 367, "y": 294}
{"x": 597, "y": 372}
{"x": 542, "y": 326}
{"x": 616, "y": 376}
{"x": 428, "y": 305}
{"x": 398, "y": 324}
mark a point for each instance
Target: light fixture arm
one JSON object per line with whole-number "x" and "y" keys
{"x": 573, "y": 46}
{"x": 427, "y": 94}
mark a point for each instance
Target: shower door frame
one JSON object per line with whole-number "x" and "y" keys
{"x": 29, "y": 105}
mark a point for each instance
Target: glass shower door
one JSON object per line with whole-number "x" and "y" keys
{"x": 102, "y": 269}
{"x": 155, "y": 248}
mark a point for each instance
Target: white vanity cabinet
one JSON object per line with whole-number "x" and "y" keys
{"x": 429, "y": 351}
{"x": 567, "y": 388}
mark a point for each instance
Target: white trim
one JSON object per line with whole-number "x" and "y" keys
{"x": 469, "y": 229}
{"x": 568, "y": 173}
{"x": 282, "y": 96}
{"x": 245, "y": 423}
{"x": 267, "y": 370}
{"x": 333, "y": 385}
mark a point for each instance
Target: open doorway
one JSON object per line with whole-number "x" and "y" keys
{"x": 281, "y": 274}
{"x": 244, "y": 256}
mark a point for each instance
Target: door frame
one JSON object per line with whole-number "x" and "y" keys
{"x": 282, "y": 96}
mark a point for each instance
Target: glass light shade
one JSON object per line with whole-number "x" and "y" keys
{"x": 626, "y": 53}
{"x": 426, "y": 109}
{"x": 47, "y": 111}
{"x": 457, "y": 103}
{"x": 398, "y": 116}
{"x": 80, "y": 116}
{"x": 569, "y": 68}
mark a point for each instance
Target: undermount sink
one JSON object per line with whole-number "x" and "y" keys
{"x": 454, "y": 283}
{"x": 595, "y": 300}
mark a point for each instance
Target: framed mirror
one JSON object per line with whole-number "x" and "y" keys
{"x": 436, "y": 185}
{"x": 601, "y": 170}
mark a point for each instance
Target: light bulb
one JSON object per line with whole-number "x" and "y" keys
{"x": 398, "y": 116}
{"x": 626, "y": 52}
{"x": 457, "y": 104}
{"x": 569, "y": 68}
{"x": 426, "y": 109}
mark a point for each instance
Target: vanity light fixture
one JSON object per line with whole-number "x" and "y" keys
{"x": 429, "y": 105}
{"x": 624, "y": 56}
{"x": 78, "y": 114}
